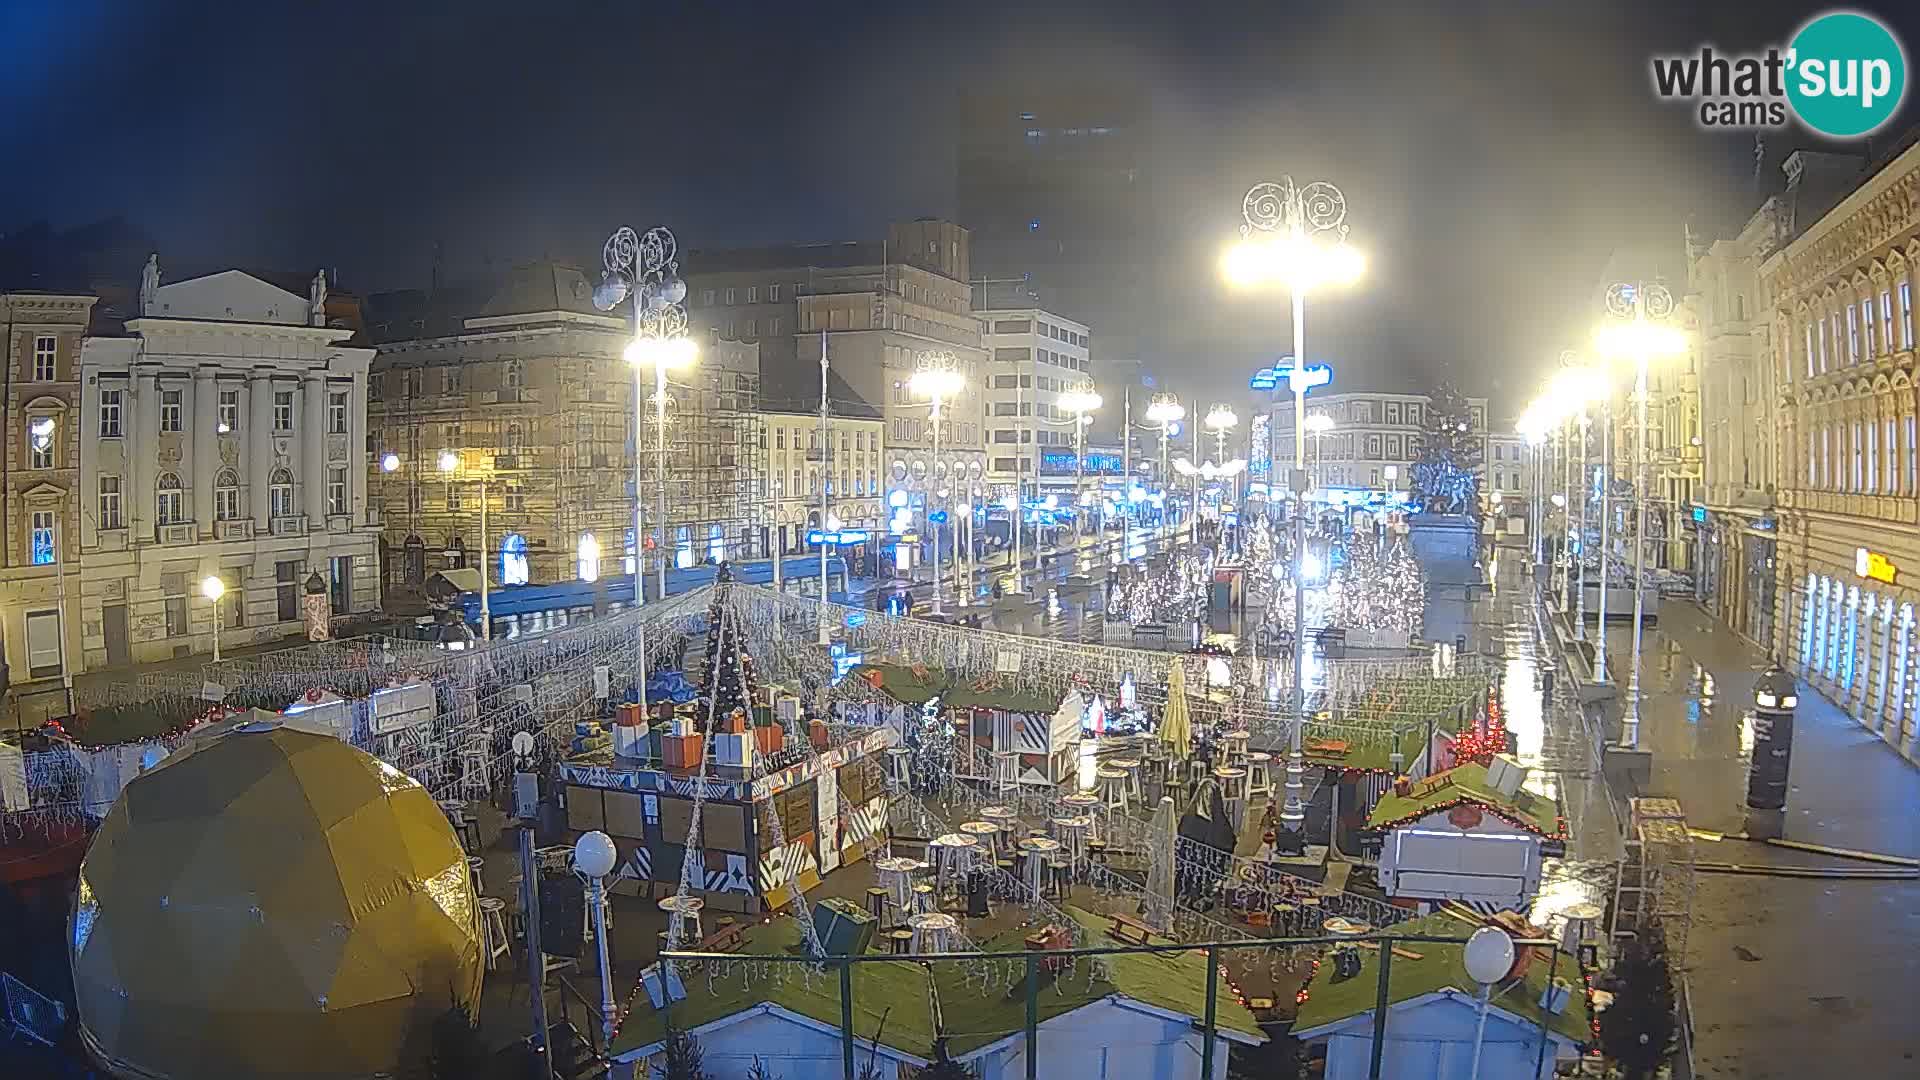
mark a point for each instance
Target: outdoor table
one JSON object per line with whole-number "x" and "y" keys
{"x": 1083, "y": 804}
{"x": 1072, "y": 834}
{"x": 688, "y": 907}
{"x": 984, "y": 833}
{"x": 933, "y": 931}
{"x": 1037, "y": 849}
{"x": 896, "y": 873}
{"x": 952, "y": 858}
{"x": 1234, "y": 748}
{"x": 1130, "y": 766}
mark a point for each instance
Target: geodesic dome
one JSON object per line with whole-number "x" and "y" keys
{"x": 271, "y": 902}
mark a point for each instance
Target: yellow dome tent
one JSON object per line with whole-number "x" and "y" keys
{"x": 271, "y": 902}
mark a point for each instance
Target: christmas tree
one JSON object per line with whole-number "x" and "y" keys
{"x": 1486, "y": 738}
{"x": 1637, "y": 1030}
{"x": 727, "y": 679}
{"x": 1445, "y": 475}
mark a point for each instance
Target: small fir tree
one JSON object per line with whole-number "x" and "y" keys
{"x": 682, "y": 1056}
{"x": 1637, "y": 1030}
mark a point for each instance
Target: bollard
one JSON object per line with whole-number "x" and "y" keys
{"x": 1775, "y": 697}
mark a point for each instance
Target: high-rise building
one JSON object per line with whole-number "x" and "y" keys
{"x": 1054, "y": 186}
{"x": 1035, "y": 356}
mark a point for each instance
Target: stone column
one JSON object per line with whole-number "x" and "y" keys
{"x": 313, "y": 448}
{"x": 259, "y": 434}
{"x": 206, "y": 456}
{"x": 140, "y": 422}
{"x": 357, "y": 462}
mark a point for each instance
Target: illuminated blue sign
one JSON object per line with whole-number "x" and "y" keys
{"x": 843, "y": 661}
{"x": 1700, "y": 514}
{"x": 938, "y": 517}
{"x": 1264, "y": 379}
{"x": 1297, "y": 379}
{"x": 856, "y": 618}
{"x": 844, "y": 536}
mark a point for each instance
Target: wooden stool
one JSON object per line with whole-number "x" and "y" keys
{"x": 901, "y": 941}
{"x": 1130, "y": 766}
{"x": 493, "y": 930}
{"x": 1259, "y": 774}
{"x": 475, "y": 866}
{"x": 1097, "y": 852}
{"x": 923, "y": 898}
{"x": 876, "y": 904}
{"x": 1114, "y": 791}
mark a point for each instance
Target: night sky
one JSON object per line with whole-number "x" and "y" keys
{"x": 1493, "y": 155}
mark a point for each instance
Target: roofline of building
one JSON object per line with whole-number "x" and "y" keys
{"x": 1365, "y": 1015}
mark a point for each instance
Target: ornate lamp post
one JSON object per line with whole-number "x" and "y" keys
{"x": 1318, "y": 425}
{"x": 1296, "y": 236}
{"x": 1165, "y": 411}
{"x": 937, "y": 374}
{"x": 646, "y": 267}
{"x": 1638, "y": 330}
{"x": 1081, "y": 401}
{"x": 450, "y": 464}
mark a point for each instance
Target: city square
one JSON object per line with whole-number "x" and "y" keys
{"x": 1216, "y": 579}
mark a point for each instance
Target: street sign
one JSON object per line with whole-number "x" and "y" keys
{"x": 844, "y": 536}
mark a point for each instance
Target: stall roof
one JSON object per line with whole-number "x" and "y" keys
{"x": 906, "y": 994}
{"x": 1468, "y": 784}
{"x": 1441, "y": 967}
{"x": 911, "y": 687}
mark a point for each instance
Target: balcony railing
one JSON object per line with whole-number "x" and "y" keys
{"x": 234, "y": 529}
{"x": 288, "y": 526}
{"x": 175, "y": 533}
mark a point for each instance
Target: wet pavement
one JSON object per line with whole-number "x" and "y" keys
{"x": 1790, "y": 977}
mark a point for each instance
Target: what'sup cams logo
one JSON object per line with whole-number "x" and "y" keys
{"x": 1843, "y": 75}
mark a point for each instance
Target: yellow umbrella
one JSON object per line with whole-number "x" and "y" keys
{"x": 1176, "y": 728}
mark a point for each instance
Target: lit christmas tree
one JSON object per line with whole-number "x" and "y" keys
{"x": 728, "y": 677}
{"x": 1445, "y": 477}
{"x": 1486, "y": 738}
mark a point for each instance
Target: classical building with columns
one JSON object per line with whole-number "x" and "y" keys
{"x": 225, "y": 435}
{"x": 1840, "y": 295}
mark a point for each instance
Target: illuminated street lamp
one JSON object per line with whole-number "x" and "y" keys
{"x": 213, "y": 589}
{"x": 1574, "y": 388}
{"x": 389, "y": 462}
{"x": 1082, "y": 401}
{"x": 937, "y": 375}
{"x": 1221, "y": 420}
{"x": 1317, "y": 426}
{"x": 450, "y": 464}
{"x": 1637, "y": 331}
{"x": 1295, "y": 236}
{"x": 1165, "y": 412}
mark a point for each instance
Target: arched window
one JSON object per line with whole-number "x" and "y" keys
{"x": 516, "y": 375}
{"x": 226, "y": 496}
{"x": 280, "y": 494}
{"x": 169, "y": 502}
{"x": 515, "y": 436}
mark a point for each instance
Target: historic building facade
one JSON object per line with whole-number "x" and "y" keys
{"x": 224, "y": 434}
{"x": 39, "y": 556}
{"x": 852, "y": 463}
{"x": 1373, "y": 441}
{"x": 1841, "y": 298}
{"x": 527, "y": 395}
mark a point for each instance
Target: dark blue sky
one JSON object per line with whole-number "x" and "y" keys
{"x": 1493, "y": 154}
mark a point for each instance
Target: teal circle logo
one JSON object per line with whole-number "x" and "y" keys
{"x": 1846, "y": 74}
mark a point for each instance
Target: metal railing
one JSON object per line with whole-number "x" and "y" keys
{"x": 1382, "y": 945}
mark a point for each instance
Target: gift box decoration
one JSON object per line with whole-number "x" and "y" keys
{"x": 733, "y": 748}
{"x": 629, "y": 712}
{"x": 769, "y": 739}
{"x": 683, "y": 751}
{"x": 734, "y": 723}
{"x": 817, "y": 734}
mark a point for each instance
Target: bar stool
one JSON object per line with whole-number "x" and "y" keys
{"x": 923, "y": 900}
{"x": 877, "y": 904}
{"x": 1006, "y": 771}
{"x": 1114, "y": 793}
{"x": 897, "y": 772}
{"x": 1233, "y": 790}
{"x": 493, "y": 930}
{"x": 1259, "y": 774}
{"x": 475, "y": 765}
{"x": 475, "y": 866}
{"x": 689, "y": 909}
{"x": 901, "y": 941}
{"x": 1233, "y": 747}
{"x": 1059, "y": 875}
{"x": 1132, "y": 768}
{"x": 932, "y": 931}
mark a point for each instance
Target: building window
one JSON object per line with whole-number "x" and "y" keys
{"x": 1873, "y": 456}
{"x": 229, "y": 411}
{"x": 283, "y": 410}
{"x": 41, "y": 442}
{"x": 1822, "y": 324}
{"x": 453, "y": 497}
{"x": 109, "y": 505}
{"x": 1810, "y": 368}
{"x": 1906, "y": 314}
{"x": 226, "y": 496}
{"x": 336, "y": 490}
{"x": 730, "y": 296}
{"x": 337, "y": 413}
{"x": 450, "y": 379}
{"x": 286, "y": 590}
{"x": 779, "y": 438}
{"x": 516, "y": 499}
{"x": 1913, "y": 478}
{"x": 706, "y": 298}
{"x": 774, "y": 326}
{"x": 44, "y": 346}
{"x": 1866, "y": 325}
{"x": 516, "y": 375}
{"x": 753, "y": 294}
{"x": 1891, "y": 475}
{"x": 1858, "y": 476}
{"x": 773, "y": 294}
{"x": 280, "y": 494}
{"x": 753, "y": 329}
{"x": 42, "y": 538}
{"x": 515, "y": 436}
{"x": 169, "y": 504}
{"x": 110, "y": 414}
{"x": 43, "y": 644}
{"x": 1886, "y": 320}
{"x": 411, "y": 383}
{"x": 170, "y": 410}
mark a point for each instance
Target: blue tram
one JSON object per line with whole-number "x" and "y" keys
{"x": 521, "y": 610}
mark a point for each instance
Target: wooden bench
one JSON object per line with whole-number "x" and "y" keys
{"x": 724, "y": 940}
{"x": 1129, "y": 931}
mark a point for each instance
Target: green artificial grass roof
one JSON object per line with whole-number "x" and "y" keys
{"x": 1440, "y": 967}
{"x": 905, "y": 686}
{"x": 905, "y": 994}
{"x": 1469, "y": 785}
